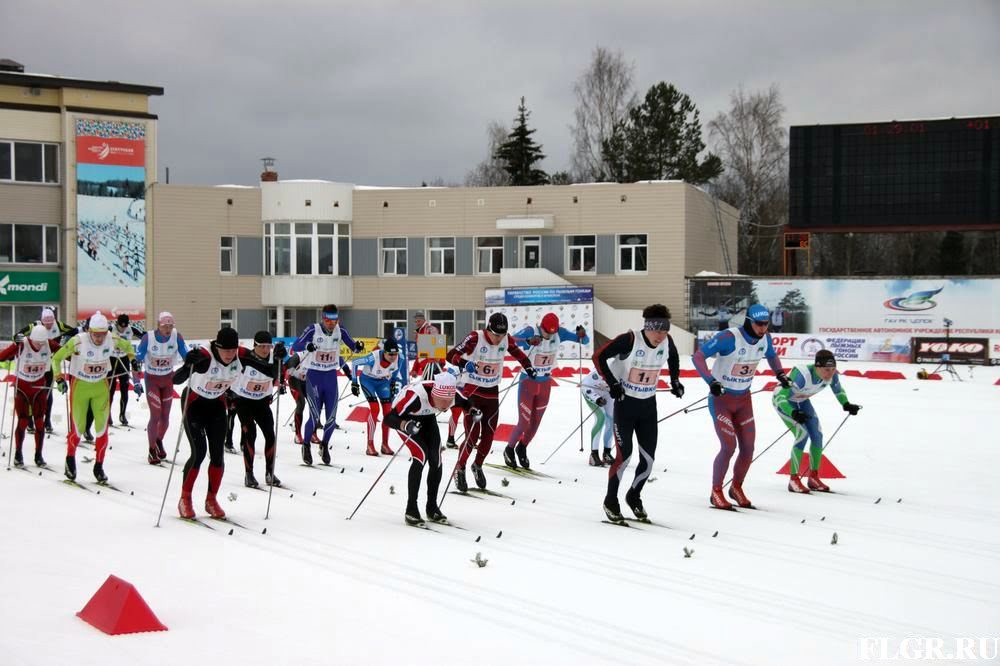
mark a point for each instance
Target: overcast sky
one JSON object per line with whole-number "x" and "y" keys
{"x": 394, "y": 93}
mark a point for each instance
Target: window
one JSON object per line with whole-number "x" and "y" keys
{"x": 15, "y": 317}
{"x": 393, "y": 256}
{"x": 444, "y": 320}
{"x": 531, "y": 251}
{"x": 479, "y": 319}
{"x": 582, "y": 254}
{"x": 307, "y": 248}
{"x": 227, "y": 250}
{"x": 632, "y": 253}
{"x": 29, "y": 244}
{"x": 442, "y": 256}
{"x": 489, "y": 253}
{"x": 29, "y": 162}
{"x": 272, "y": 322}
{"x": 227, "y": 318}
{"x": 392, "y": 319}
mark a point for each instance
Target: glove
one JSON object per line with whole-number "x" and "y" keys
{"x": 476, "y": 414}
{"x": 137, "y": 387}
{"x": 531, "y": 372}
{"x": 677, "y": 389}
{"x": 136, "y": 366}
{"x": 601, "y": 401}
{"x": 851, "y": 408}
{"x": 61, "y": 385}
{"x": 715, "y": 388}
{"x": 783, "y": 380}
{"x": 470, "y": 367}
{"x": 310, "y": 347}
{"x": 280, "y": 352}
{"x": 799, "y": 416}
{"x": 358, "y": 346}
{"x": 355, "y": 389}
{"x": 347, "y": 371}
{"x": 581, "y": 332}
{"x": 282, "y": 389}
{"x": 19, "y": 338}
{"x": 394, "y": 389}
{"x": 193, "y": 357}
{"x": 411, "y": 428}
{"x": 616, "y": 391}
{"x": 535, "y": 340}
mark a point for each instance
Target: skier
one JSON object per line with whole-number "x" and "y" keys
{"x": 630, "y": 365}
{"x": 90, "y": 362}
{"x": 414, "y": 415}
{"x": 793, "y": 406}
{"x": 60, "y": 332}
{"x": 209, "y": 373}
{"x": 380, "y": 376}
{"x": 34, "y": 362}
{"x": 428, "y": 368}
{"x": 323, "y": 339}
{"x": 253, "y": 403}
{"x": 595, "y": 394}
{"x": 160, "y": 350}
{"x": 481, "y": 356}
{"x": 739, "y": 349}
{"x": 295, "y": 379}
{"x": 120, "y": 369}
{"x": 541, "y": 346}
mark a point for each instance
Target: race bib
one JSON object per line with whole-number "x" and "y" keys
{"x": 94, "y": 368}
{"x": 258, "y": 387}
{"x": 160, "y": 362}
{"x": 35, "y": 368}
{"x": 544, "y": 361}
{"x": 488, "y": 369}
{"x": 325, "y": 356}
{"x": 642, "y": 376}
{"x": 744, "y": 369}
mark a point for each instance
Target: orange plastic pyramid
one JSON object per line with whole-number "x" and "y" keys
{"x": 827, "y": 470}
{"x": 118, "y": 608}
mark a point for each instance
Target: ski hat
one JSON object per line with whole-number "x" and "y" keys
{"x": 227, "y": 338}
{"x": 550, "y": 323}
{"x": 263, "y": 338}
{"x": 759, "y": 314}
{"x": 419, "y": 314}
{"x": 38, "y": 333}
{"x": 48, "y": 316}
{"x": 497, "y": 324}
{"x": 390, "y": 346}
{"x": 825, "y": 359}
{"x": 98, "y": 322}
{"x": 123, "y": 319}
{"x": 444, "y": 385}
{"x": 165, "y": 318}
{"x": 330, "y": 312}
{"x": 656, "y": 317}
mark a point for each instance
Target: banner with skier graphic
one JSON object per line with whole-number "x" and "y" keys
{"x": 525, "y": 306}
{"x": 111, "y": 218}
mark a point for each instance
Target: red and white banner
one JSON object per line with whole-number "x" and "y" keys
{"x": 110, "y": 150}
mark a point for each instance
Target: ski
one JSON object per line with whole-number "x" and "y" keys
{"x": 491, "y": 493}
{"x": 621, "y": 524}
{"x": 647, "y": 521}
{"x": 108, "y": 486}
{"x": 456, "y": 492}
{"x": 75, "y": 485}
{"x": 195, "y": 521}
{"x": 423, "y": 526}
{"x": 520, "y": 471}
{"x": 229, "y": 521}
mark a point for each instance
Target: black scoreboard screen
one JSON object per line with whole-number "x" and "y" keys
{"x": 893, "y": 175}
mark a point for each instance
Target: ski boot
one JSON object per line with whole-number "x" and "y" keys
{"x": 736, "y": 493}
{"x": 122, "y": 421}
{"x": 508, "y": 457}
{"x": 324, "y": 453}
{"x": 212, "y": 507}
{"x": 160, "y": 451}
{"x": 307, "y": 456}
{"x": 99, "y": 473}
{"x": 39, "y": 460}
{"x": 719, "y": 501}
{"x": 49, "y": 430}
{"x": 522, "y": 455}
{"x": 298, "y": 439}
{"x": 31, "y": 429}
{"x": 18, "y": 459}
{"x": 595, "y": 459}
{"x": 315, "y": 438}
{"x": 635, "y": 503}
{"x": 613, "y": 511}
{"x": 70, "y": 470}
{"x": 451, "y": 442}
{"x": 370, "y": 451}
{"x": 271, "y": 480}
{"x": 435, "y": 516}
{"x": 477, "y": 474}
{"x": 230, "y": 448}
{"x": 250, "y": 481}
{"x": 386, "y": 450}
{"x": 815, "y": 483}
{"x": 185, "y": 507}
{"x": 608, "y": 458}
{"x": 460, "y": 483}
{"x": 412, "y": 517}
{"x": 89, "y": 436}
{"x": 795, "y": 485}
{"x": 153, "y": 458}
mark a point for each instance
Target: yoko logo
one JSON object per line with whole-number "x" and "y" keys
{"x": 918, "y": 301}
{"x": 6, "y": 286}
{"x": 954, "y": 347}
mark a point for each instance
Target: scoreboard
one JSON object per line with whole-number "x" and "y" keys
{"x": 942, "y": 174}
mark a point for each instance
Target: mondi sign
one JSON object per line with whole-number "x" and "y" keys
{"x": 29, "y": 287}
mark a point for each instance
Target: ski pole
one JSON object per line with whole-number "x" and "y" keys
{"x": 762, "y": 453}
{"x": 277, "y": 411}
{"x": 13, "y": 418}
{"x": 579, "y": 377}
{"x": 177, "y": 448}
{"x": 579, "y": 427}
{"x": 378, "y": 478}
{"x": 830, "y": 441}
{"x": 682, "y": 409}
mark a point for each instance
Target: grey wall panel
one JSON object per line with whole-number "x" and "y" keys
{"x": 249, "y": 322}
{"x": 463, "y": 256}
{"x": 360, "y": 323}
{"x": 249, "y": 255}
{"x": 463, "y": 324}
{"x": 605, "y": 255}
{"x": 415, "y": 256}
{"x": 302, "y": 317}
{"x": 510, "y": 252}
{"x": 364, "y": 256}
{"x": 554, "y": 254}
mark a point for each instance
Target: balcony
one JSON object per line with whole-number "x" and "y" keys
{"x": 306, "y": 290}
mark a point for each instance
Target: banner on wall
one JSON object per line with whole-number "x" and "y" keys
{"x": 965, "y": 351}
{"x": 111, "y": 218}
{"x": 525, "y": 306}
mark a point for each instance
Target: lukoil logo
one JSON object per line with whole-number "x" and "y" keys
{"x": 6, "y": 286}
{"x": 915, "y": 302}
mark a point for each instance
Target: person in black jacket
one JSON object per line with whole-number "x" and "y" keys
{"x": 254, "y": 391}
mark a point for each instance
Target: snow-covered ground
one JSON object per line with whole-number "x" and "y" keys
{"x": 918, "y": 550}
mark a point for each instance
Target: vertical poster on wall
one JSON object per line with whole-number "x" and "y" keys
{"x": 111, "y": 218}
{"x": 525, "y": 306}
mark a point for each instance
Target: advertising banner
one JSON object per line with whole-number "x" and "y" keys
{"x": 29, "y": 287}
{"x": 965, "y": 351}
{"x": 111, "y": 218}
{"x": 525, "y": 306}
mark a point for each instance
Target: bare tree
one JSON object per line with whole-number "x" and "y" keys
{"x": 752, "y": 141}
{"x": 491, "y": 172}
{"x": 604, "y": 94}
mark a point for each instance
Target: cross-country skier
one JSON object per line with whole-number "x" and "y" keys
{"x": 739, "y": 350}
{"x": 380, "y": 376}
{"x": 209, "y": 374}
{"x": 60, "y": 332}
{"x": 89, "y": 354}
{"x": 481, "y": 357}
{"x": 120, "y": 370}
{"x": 630, "y": 365}
{"x": 795, "y": 409}
{"x": 253, "y": 391}
{"x": 428, "y": 368}
{"x": 323, "y": 340}
{"x": 595, "y": 394}
{"x": 160, "y": 351}
{"x": 34, "y": 362}
{"x": 541, "y": 346}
